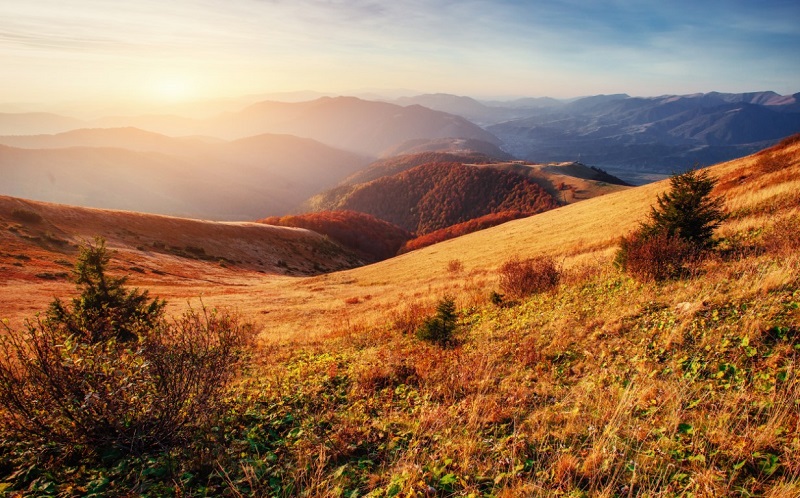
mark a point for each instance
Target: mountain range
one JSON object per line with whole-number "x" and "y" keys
{"x": 356, "y": 125}
{"x": 132, "y": 169}
{"x": 267, "y": 158}
{"x": 632, "y": 135}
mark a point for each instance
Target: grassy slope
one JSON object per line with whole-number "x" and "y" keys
{"x": 605, "y": 387}
{"x": 177, "y": 256}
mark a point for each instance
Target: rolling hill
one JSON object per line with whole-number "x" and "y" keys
{"x": 38, "y": 240}
{"x": 604, "y": 385}
{"x": 197, "y": 177}
{"x": 372, "y": 239}
{"x": 436, "y": 195}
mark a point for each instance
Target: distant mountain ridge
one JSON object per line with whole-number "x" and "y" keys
{"x": 348, "y": 123}
{"x": 133, "y": 169}
{"x": 660, "y": 134}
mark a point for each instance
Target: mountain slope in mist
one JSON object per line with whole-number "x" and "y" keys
{"x": 143, "y": 171}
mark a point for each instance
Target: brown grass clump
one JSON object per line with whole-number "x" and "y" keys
{"x": 408, "y": 319}
{"x": 784, "y": 236}
{"x": 656, "y": 258}
{"x": 455, "y": 266}
{"x": 521, "y": 278}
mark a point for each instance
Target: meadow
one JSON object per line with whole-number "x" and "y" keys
{"x": 603, "y": 386}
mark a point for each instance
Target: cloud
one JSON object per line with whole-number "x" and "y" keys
{"x": 500, "y": 44}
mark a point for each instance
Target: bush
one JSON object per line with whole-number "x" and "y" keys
{"x": 440, "y": 327}
{"x": 26, "y": 215}
{"x": 105, "y": 308}
{"x": 73, "y": 388}
{"x": 521, "y": 278}
{"x": 455, "y": 266}
{"x": 655, "y": 257}
{"x": 782, "y": 237}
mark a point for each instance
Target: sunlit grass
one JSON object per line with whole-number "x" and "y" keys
{"x": 603, "y": 386}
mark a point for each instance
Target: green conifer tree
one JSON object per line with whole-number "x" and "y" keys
{"x": 687, "y": 211}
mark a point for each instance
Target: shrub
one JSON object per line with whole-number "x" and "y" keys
{"x": 496, "y": 298}
{"x": 680, "y": 229}
{"x": 26, "y": 215}
{"x": 655, "y": 257}
{"x": 455, "y": 266}
{"x": 105, "y": 308}
{"x": 520, "y": 278}
{"x": 66, "y": 387}
{"x": 440, "y": 327}
{"x": 783, "y": 237}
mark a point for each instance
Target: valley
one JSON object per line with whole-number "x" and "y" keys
{"x": 602, "y": 384}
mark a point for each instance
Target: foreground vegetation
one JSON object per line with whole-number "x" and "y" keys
{"x": 598, "y": 384}
{"x": 606, "y": 386}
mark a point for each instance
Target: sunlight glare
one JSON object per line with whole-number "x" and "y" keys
{"x": 171, "y": 89}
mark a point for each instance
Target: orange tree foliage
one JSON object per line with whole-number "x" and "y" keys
{"x": 437, "y": 195}
{"x": 372, "y": 238}
{"x": 397, "y": 164}
{"x": 460, "y": 229}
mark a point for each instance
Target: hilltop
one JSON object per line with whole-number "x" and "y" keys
{"x": 437, "y": 195}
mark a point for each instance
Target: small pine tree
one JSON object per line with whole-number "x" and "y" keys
{"x": 687, "y": 210}
{"x": 110, "y": 375}
{"x": 440, "y": 327}
{"x": 105, "y": 309}
{"x": 681, "y": 227}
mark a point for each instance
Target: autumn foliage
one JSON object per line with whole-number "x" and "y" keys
{"x": 437, "y": 195}
{"x": 372, "y": 238}
{"x": 397, "y": 164}
{"x": 451, "y": 232}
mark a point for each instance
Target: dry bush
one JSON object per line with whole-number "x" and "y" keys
{"x": 110, "y": 375}
{"x": 455, "y": 266}
{"x": 112, "y": 396}
{"x": 783, "y": 237}
{"x": 409, "y": 319}
{"x": 656, "y": 257}
{"x": 520, "y": 278}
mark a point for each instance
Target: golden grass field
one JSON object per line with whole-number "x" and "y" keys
{"x": 604, "y": 387}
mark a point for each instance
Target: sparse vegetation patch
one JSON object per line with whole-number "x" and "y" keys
{"x": 110, "y": 376}
{"x": 26, "y": 215}
{"x": 521, "y": 278}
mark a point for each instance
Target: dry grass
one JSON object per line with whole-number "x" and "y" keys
{"x": 605, "y": 387}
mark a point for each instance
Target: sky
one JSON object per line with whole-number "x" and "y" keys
{"x": 169, "y": 51}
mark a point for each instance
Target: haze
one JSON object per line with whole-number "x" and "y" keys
{"x": 148, "y": 54}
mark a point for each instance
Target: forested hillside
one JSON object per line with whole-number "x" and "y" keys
{"x": 437, "y": 195}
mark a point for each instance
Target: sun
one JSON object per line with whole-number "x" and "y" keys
{"x": 171, "y": 89}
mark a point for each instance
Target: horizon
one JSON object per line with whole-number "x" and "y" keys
{"x": 151, "y": 56}
{"x": 211, "y": 107}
